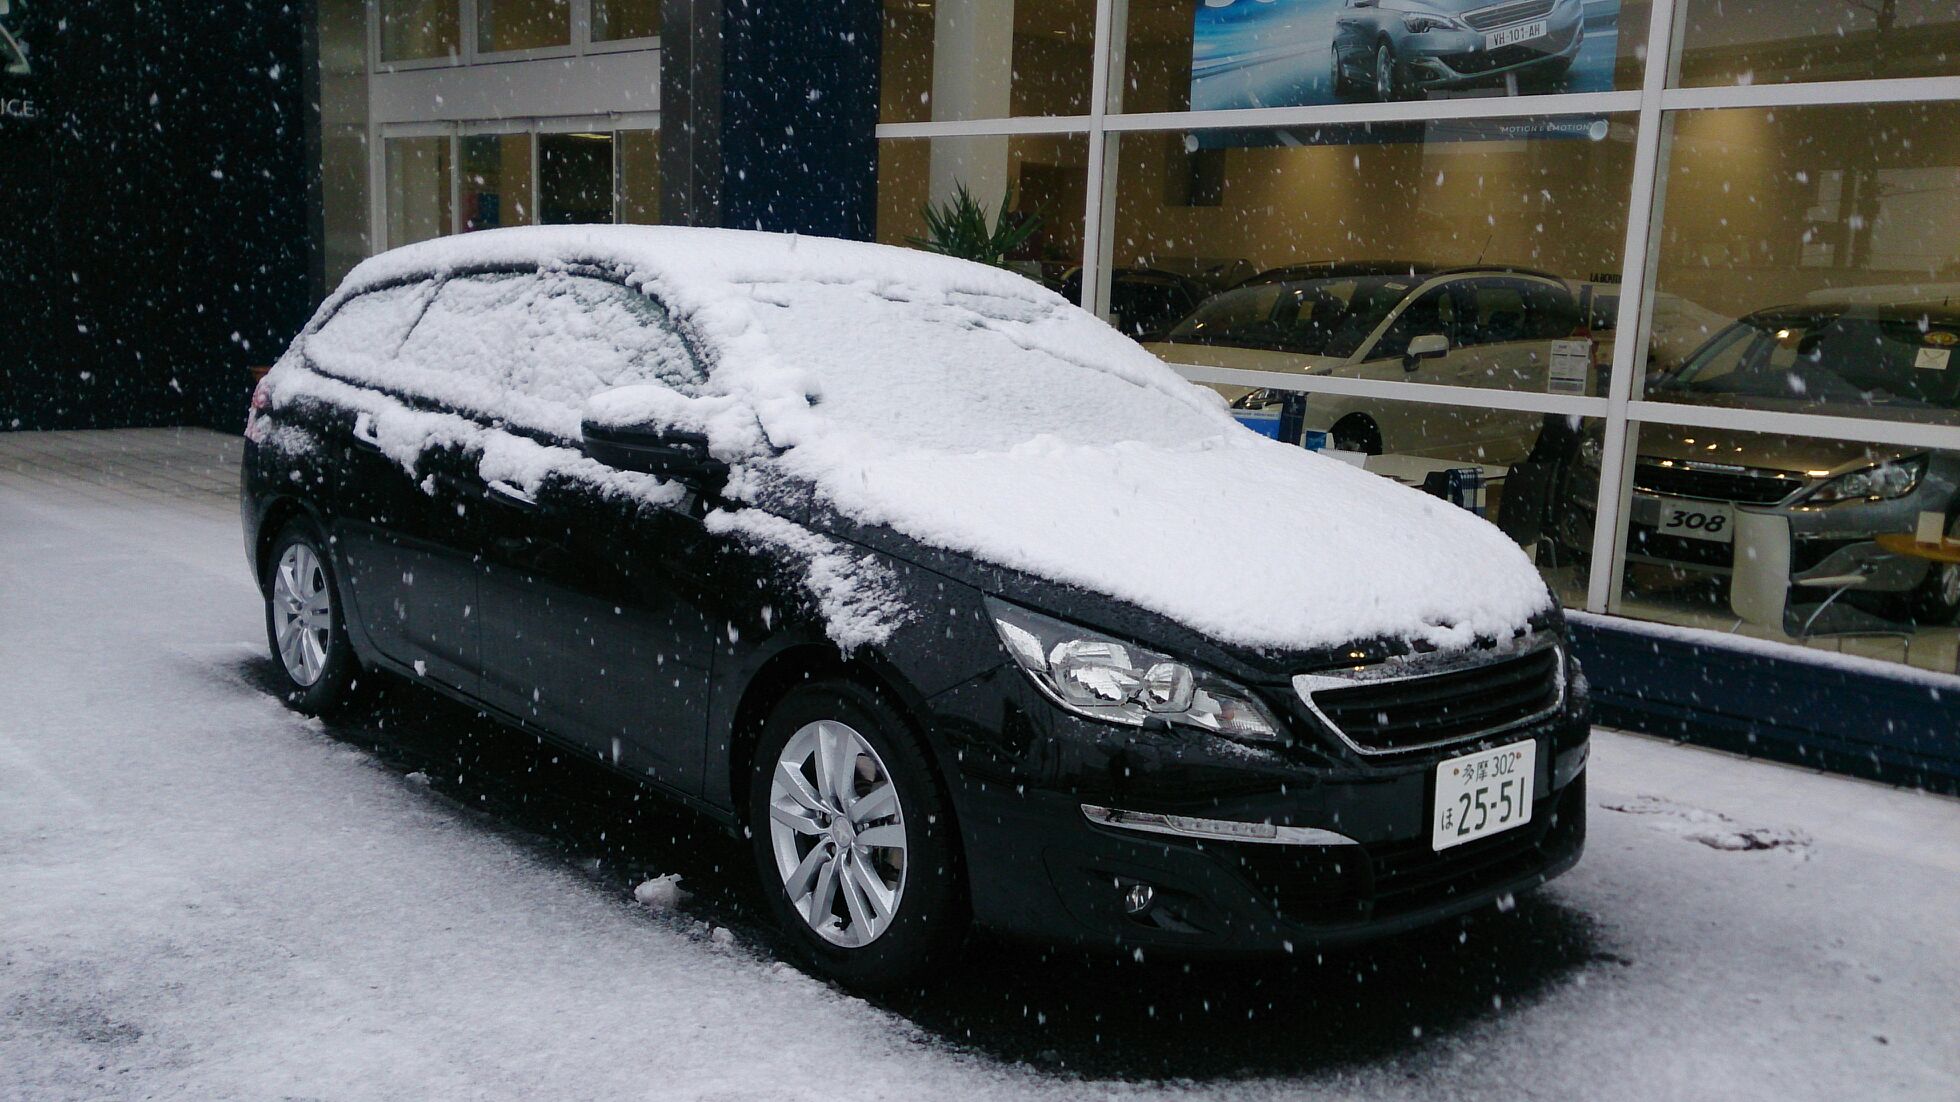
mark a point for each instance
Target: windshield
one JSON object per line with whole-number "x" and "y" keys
{"x": 1313, "y": 317}
{"x": 1831, "y": 358}
{"x": 890, "y": 367}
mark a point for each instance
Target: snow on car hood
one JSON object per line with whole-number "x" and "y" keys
{"x": 972, "y": 410}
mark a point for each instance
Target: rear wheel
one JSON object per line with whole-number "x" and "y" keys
{"x": 304, "y": 625}
{"x": 1355, "y": 433}
{"x": 853, "y": 838}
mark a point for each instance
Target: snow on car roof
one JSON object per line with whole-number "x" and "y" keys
{"x": 971, "y": 409}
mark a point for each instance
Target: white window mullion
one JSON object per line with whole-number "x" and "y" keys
{"x": 1630, "y": 333}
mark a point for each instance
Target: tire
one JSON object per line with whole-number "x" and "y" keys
{"x": 796, "y": 833}
{"x": 1355, "y": 433}
{"x": 304, "y": 625}
{"x": 1338, "y": 86}
{"x": 1390, "y": 84}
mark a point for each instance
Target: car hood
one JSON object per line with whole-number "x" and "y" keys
{"x": 1763, "y": 451}
{"x": 1244, "y": 541}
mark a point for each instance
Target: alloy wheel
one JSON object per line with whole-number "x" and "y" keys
{"x": 1384, "y": 74}
{"x": 837, "y": 830}
{"x": 303, "y": 612}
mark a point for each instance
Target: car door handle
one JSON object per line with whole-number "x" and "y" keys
{"x": 364, "y": 433}
{"x": 507, "y": 494}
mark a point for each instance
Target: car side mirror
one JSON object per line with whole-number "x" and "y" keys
{"x": 648, "y": 449}
{"x": 1429, "y": 346}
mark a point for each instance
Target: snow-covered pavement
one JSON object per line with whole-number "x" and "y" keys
{"x": 203, "y": 896}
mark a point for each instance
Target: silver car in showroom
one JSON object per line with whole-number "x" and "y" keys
{"x": 1399, "y": 49}
{"x": 1692, "y": 487}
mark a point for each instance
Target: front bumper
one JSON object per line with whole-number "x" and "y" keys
{"x": 1040, "y": 868}
{"x": 1456, "y": 59}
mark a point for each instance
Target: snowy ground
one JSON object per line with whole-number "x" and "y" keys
{"x": 203, "y": 896}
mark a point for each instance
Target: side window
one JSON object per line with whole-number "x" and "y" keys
{"x": 1495, "y": 312}
{"x": 530, "y": 348}
{"x": 1551, "y": 313}
{"x": 1434, "y": 312}
{"x": 359, "y": 340}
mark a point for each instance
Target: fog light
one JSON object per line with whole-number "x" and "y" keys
{"x": 1138, "y": 897}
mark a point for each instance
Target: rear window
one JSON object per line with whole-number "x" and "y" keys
{"x": 525, "y": 348}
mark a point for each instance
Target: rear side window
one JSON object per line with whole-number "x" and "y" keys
{"x": 361, "y": 337}
{"x": 528, "y": 349}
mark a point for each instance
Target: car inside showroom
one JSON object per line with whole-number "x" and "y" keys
{"x": 1008, "y": 394}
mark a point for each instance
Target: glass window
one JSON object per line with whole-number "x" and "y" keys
{"x": 1780, "y": 41}
{"x": 1521, "y": 471}
{"x": 532, "y": 348}
{"x": 1802, "y": 262}
{"x": 613, "y": 20}
{"x": 496, "y": 181}
{"x": 1185, "y": 55}
{"x": 575, "y": 178}
{"x": 503, "y": 25}
{"x": 344, "y": 152}
{"x": 419, "y": 30}
{"x": 1335, "y": 249}
{"x": 419, "y": 179}
{"x": 639, "y": 175}
{"x": 983, "y": 59}
{"x": 1042, "y": 178}
{"x": 1794, "y": 538}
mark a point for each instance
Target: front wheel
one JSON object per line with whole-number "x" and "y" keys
{"x": 853, "y": 838}
{"x": 304, "y": 624}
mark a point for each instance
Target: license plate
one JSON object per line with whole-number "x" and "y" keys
{"x": 1713, "y": 521}
{"x": 1480, "y": 794}
{"x": 1511, "y": 36}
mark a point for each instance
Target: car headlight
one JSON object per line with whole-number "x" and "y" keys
{"x": 1419, "y": 23}
{"x": 1094, "y": 675}
{"x": 1881, "y": 481}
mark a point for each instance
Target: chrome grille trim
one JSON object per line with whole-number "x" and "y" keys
{"x": 1416, "y": 667}
{"x": 1503, "y": 15}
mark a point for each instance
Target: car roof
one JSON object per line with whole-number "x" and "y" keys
{"x": 1339, "y": 269}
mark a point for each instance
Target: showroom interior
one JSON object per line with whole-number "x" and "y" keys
{"x": 1647, "y": 268}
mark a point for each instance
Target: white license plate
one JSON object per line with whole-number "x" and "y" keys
{"x": 1480, "y": 794}
{"x": 1713, "y": 521}
{"x": 1511, "y": 36}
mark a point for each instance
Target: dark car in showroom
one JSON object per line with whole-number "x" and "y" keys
{"x": 1690, "y": 485}
{"x": 923, "y": 578}
{"x": 1399, "y": 49}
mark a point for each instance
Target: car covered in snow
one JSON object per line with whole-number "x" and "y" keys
{"x": 940, "y": 589}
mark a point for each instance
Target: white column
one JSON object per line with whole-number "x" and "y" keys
{"x": 972, "y": 70}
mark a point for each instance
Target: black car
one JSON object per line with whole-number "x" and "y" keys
{"x": 1144, "y": 303}
{"x": 904, "y": 567}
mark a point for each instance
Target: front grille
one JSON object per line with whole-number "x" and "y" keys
{"x": 1503, "y": 15}
{"x": 1406, "y": 713}
{"x": 1748, "y": 487}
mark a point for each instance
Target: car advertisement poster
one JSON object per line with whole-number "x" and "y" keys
{"x": 1300, "y": 53}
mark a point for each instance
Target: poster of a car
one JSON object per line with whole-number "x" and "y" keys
{"x": 1295, "y": 53}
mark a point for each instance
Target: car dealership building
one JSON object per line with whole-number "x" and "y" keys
{"x": 1669, "y": 290}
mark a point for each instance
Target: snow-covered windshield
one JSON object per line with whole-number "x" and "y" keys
{"x": 1828, "y": 357}
{"x": 1314, "y": 317}
{"x": 967, "y": 372}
